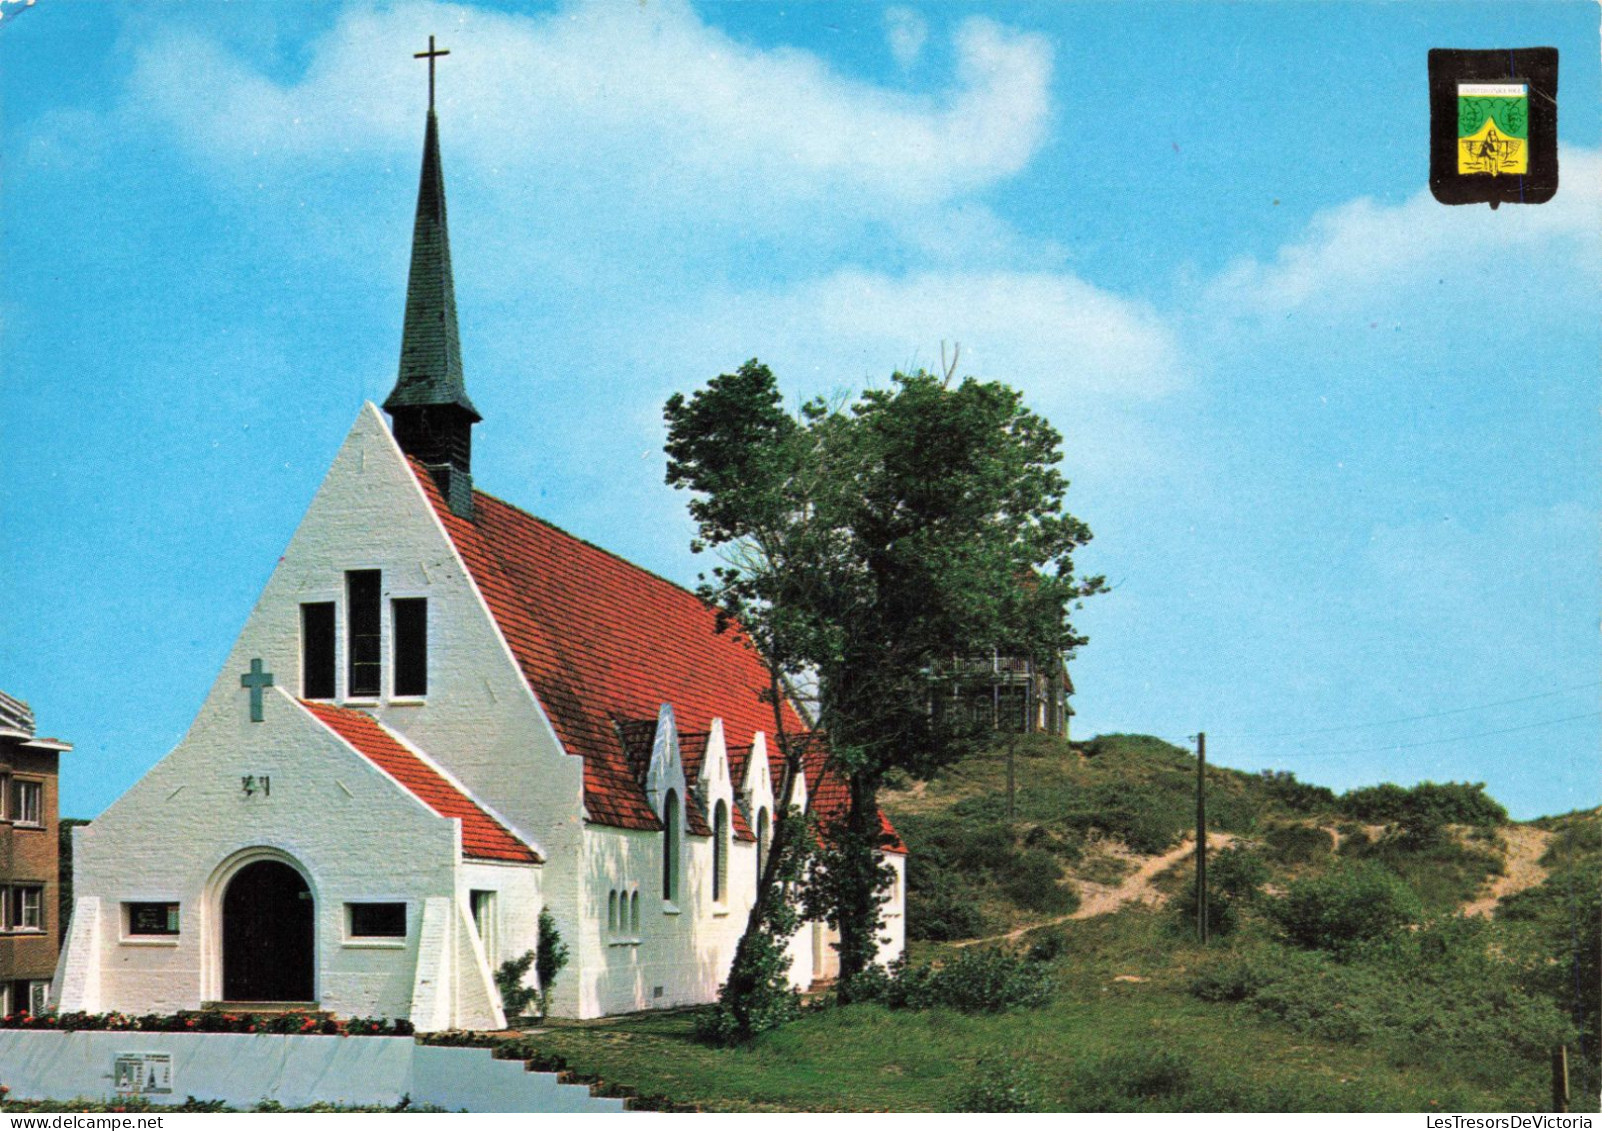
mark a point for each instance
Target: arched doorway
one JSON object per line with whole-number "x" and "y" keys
{"x": 268, "y": 934}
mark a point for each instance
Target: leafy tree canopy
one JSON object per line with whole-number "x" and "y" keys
{"x": 865, "y": 544}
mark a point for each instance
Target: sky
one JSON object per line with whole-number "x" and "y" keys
{"x": 1338, "y": 443}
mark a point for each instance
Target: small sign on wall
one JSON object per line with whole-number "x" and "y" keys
{"x": 142, "y": 1073}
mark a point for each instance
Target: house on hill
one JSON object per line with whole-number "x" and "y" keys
{"x": 443, "y": 716}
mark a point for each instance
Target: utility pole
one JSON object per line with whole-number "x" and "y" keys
{"x": 1201, "y": 838}
{"x": 1012, "y": 746}
{"x": 1560, "y": 1079}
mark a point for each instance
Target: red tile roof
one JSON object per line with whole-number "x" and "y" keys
{"x": 483, "y": 837}
{"x": 603, "y": 644}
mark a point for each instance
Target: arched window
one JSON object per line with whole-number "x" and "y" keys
{"x": 634, "y": 914}
{"x": 611, "y": 911}
{"x": 764, "y": 834}
{"x": 670, "y": 847}
{"x": 720, "y": 852}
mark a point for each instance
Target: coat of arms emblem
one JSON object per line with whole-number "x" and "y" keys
{"x": 1493, "y": 126}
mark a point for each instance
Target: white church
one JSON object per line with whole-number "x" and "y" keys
{"x": 442, "y": 716}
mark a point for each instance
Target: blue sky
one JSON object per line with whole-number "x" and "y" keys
{"x": 1338, "y": 443}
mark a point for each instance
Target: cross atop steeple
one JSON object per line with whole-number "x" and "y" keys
{"x": 430, "y": 55}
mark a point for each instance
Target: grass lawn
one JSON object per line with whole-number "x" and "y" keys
{"x": 1106, "y": 1042}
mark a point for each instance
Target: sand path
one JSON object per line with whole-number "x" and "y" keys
{"x": 1521, "y": 868}
{"x": 1103, "y": 899}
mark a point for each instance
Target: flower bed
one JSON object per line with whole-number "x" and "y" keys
{"x": 212, "y": 1021}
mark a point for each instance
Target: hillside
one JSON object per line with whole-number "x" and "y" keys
{"x": 1341, "y": 975}
{"x": 1088, "y": 816}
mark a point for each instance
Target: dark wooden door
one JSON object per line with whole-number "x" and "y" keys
{"x": 269, "y": 948}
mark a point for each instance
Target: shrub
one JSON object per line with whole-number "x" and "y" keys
{"x": 1440, "y": 870}
{"x": 938, "y": 912}
{"x": 1345, "y": 909}
{"x": 1438, "y": 995}
{"x": 1282, "y": 786}
{"x": 1034, "y": 880}
{"x": 1047, "y": 946}
{"x": 1298, "y": 844}
{"x": 1238, "y": 872}
{"x": 1222, "y": 915}
{"x": 515, "y": 996}
{"x": 998, "y": 1086}
{"x": 1148, "y": 821}
{"x": 1428, "y": 803}
{"x": 770, "y": 1002}
{"x": 976, "y": 980}
{"x": 550, "y": 957}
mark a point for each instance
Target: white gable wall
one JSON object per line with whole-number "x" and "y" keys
{"x": 479, "y": 720}
{"x": 173, "y": 837}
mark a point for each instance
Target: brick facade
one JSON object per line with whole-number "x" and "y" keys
{"x": 30, "y": 931}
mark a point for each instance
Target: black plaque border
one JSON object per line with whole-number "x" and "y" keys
{"x": 1536, "y": 66}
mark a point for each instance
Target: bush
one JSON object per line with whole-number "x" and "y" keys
{"x": 976, "y": 980}
{"x": 1428, "y": 803}
{"x": 938, "y": 912}
{"x": 550, "y": 956}
{"x": 1345, "y": 909}
{"x": 1148, "y": 821}
{"x": 1298, "y": 844}
{"x": 1238, "y": 872}
{"x": 998, "y": 1086}
{"x": 1034, "y": 880}
{"x": 1047, "y": 946}
{"x": 1440, "y": 870}
{"x": 515, "y": 996}
{"x": 1438, "y": 995}
{"x": 1282, "y": 786}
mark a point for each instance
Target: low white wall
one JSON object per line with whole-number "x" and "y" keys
{"x": 242, "y": 1069}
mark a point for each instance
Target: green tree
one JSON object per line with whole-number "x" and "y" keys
{"x": 864, "y": 545}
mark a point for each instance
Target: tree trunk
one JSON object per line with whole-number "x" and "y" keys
{"x": 859, "y": 884}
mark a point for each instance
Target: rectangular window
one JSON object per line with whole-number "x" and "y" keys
{"x": 5, "y": 797}
{"x": 364, "y": 632}
{"x": 24, "y": 908}
{"x": 152, "y": 918}
{"x": 377, "y": 920}
{"x": 25, "y": 802}
{"x": 410, "y": 615}
{"x": 317, "y": 650}
{"x": 38, "y": 997}
{"x": 484, "y": 918}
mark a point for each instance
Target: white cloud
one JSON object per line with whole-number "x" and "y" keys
{"x": 1361, "y": 248}
{"x": 643, "y": 98}
{"x": 1056, "y": 337}
{"x": 906, "y": 32}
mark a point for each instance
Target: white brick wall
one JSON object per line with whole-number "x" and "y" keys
{"x": 356, "y": 835}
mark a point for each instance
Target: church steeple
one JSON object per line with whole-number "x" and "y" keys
{"x": 432, "y": 415}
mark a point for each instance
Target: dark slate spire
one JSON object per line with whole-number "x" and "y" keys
{"x": 433, "y": 417}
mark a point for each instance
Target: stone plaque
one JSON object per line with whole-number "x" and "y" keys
{"x": 142, "y": 1073}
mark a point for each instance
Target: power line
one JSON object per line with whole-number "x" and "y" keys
{"x": 1418, "y": 718}
{"x": 1459, "y": 738}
